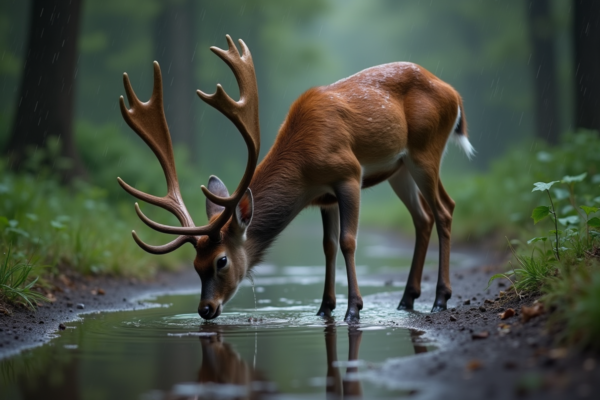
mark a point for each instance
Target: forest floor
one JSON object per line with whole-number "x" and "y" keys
{"x": 479, "y": 356}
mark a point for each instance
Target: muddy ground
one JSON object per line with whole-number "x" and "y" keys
{"x": 478, "y": 358}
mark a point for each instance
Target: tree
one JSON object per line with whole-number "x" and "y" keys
{"x": 543, "y": 67}
{"x": 45, "y": 103}
{"x": 174, "y": 51}
{"x": 586, "y": 34}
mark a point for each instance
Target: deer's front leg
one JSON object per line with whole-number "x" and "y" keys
{"x": 331, "y": 238}
{"x": 348, "y": 195}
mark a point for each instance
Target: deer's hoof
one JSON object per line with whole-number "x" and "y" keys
{"x": 324, "y": 312}
{"x": 406, "y": 304}
{"x": 352, "y": 315}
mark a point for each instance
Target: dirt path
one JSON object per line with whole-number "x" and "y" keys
{"x": 520, "y": 360}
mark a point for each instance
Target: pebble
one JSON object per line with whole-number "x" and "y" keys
{"x": 62, "y": 327}
{"x": 453, "y": 318}
{"x": 80, "y": 306}
{"x": 467, "y": 302}
{"x": 482, "y": 309}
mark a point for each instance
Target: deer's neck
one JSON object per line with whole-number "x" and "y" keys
{"x": 278, "y": 198}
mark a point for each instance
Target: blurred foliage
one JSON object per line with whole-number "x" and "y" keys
{"x": 563, "y": 263}
{"x": 480, "y": 47}
{"x": 43, "y": 223}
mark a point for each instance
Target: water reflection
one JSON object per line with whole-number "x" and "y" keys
{"x": 225, "y": 374}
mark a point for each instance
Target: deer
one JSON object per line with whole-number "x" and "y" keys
{"x": 386, "y": 123}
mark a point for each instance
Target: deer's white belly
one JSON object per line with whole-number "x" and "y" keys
{"x": 384, "y": 165}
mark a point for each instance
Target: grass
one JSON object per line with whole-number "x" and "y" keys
{"x": 16, "y": 286}
{"x": 77, "y": 229}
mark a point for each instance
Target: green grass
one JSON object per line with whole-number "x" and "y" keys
{"x": 77, "y": 229}
{"x": 16, "y": 285}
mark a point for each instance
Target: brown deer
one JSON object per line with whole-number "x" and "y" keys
{"x": 389, "y": 122}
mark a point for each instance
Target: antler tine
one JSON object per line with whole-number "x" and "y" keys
{"x": 164, "y": 249}
{"x": 243, "y": 113}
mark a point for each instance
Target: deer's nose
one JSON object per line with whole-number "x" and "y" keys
{"x": 209, "y": 311}
{"x": 206, "y": 311}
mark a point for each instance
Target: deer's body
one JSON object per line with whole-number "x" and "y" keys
{"x": 389, "y": 122}
{"x": 355, "y": 129}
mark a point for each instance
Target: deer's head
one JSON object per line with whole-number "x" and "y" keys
{"x": 221, "y": 260}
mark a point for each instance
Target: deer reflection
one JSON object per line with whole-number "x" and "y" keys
{"x": 350, "y": 385}
{"x": 222, "y": 365}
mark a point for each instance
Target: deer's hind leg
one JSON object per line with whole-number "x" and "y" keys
{"x": 331, "y": 239}
{"x": 424, "y": 167}
{"x": 406, "y": 189}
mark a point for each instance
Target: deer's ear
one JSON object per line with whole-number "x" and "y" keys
{"x": 243, "y": 213}
{"x": 216, "y": 186}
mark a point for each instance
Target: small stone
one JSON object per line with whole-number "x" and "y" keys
{"x": 41, "y": 322}
{"x": 474, "y": 365}
{"x": 467, "y": 302}
{"x": 101, "y": 292}
{"x": 488, "y": 301}
{"x": 480, "y": 335}
{"x": 453, "y": 318}
{"x": 80, "y": 306}
{"x": 482, "y": 309}
{"x": 62, "y": 327}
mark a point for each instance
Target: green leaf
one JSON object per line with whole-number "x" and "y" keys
{"x": 3, "y": 221}
{"x": 537, "y": 239}
{"x": 552, "y": 232}
{"x": 589, "y": 210}
{"x": 560, "y": 194}
{"x": 570, "y": 220}
{"x": 542, "y": 186}
{"x": 31, "y": 216}
{"x": 57, "y": 225}
{"x": 571, "y": 179}
{"x": 544, "y": 156}
{"x": 594, "y": 222}
{"x": 539, "y": 213}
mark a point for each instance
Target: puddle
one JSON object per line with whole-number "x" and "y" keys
{"x": 279, "y": 350}
{"x": 267, "y": 344}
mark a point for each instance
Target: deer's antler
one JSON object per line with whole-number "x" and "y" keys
{"x": 149, "y": 122}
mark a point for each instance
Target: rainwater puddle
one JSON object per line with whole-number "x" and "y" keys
{"x": 281, "y": 350}
{"x": 274, "y": 347}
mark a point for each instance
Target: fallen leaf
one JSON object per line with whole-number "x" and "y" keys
{"x": 507, "y": 313}
{"x": 66, "y": 281}
{"x": 530, "y": 312}
{"x": 557, "y": 353}
{"x": 480, "y": 335}
{"x": 474, "y": 365}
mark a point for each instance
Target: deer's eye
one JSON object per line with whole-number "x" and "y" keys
{"x": 221, "y": 262}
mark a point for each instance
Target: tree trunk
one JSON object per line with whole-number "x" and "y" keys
{"x": 47, "y": 89}
{"x": 174, "y": 52}
{"x": 586, "y": 33}
{"x": 543, "y": 67}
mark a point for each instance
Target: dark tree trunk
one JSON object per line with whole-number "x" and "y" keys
{"x": 586, "y": 33}
{"x": 174, "y": 51}
{"x": 45, "y": 107}
{"x": 543, "y": 67}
